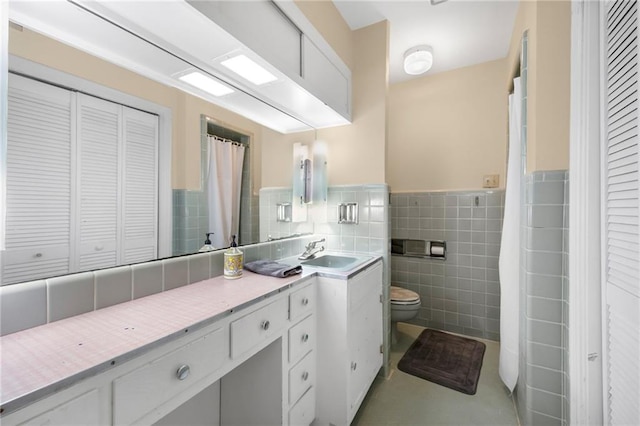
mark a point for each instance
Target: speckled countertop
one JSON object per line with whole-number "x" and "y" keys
{"x": 37, "y": 361}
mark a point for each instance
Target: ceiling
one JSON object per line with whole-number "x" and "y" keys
{"x": 461, "y": 32}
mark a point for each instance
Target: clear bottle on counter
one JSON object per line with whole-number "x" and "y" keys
{"x": 233, "y": 259}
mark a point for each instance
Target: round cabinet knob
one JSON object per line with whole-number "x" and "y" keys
{"x": 354, "y": 365}
{"x": 99, "y": 248}
{"x": 305, "y": 301}
{"x": 183, "y": 372}
{"x": 265, "y": 325}
{"x": 37, "y": 255}
{"x": 305, "y": 376}
{"x": 305, "y": 337}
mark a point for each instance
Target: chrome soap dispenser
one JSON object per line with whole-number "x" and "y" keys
{"x": 233, "y": 259}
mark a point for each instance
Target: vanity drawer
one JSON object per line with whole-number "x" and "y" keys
{"x": 302, "y": 338}
{"x": 142, "y": 390}
{"x": 258, "y": 326}
{"x": 304, "y": 412}
{"x": 302, "y": 376}
{"x": 301, "y": 302}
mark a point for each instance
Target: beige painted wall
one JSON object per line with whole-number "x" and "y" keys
{"x": 186, "y": 109}
{"x": 356, "y": 152}
{"x": 548, "y": 23}
{"x": 447, "y": 130}
{"x": 553, "y": 70}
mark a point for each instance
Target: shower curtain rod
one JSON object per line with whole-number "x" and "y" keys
{"x": 221, "y": 139}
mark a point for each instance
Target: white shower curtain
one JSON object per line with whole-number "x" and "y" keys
{"x": 224, "y": 184}
{"x": 509, "y": 262}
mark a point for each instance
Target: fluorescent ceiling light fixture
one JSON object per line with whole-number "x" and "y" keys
{"x": 206, "y": 83}
{"x": 418, "y": 60}
{"x": 248, "y": 69}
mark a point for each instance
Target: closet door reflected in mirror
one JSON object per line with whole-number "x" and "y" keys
{"x": 82, "y": 188}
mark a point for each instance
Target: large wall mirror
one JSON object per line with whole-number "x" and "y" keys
{"x": 106, "y": 166}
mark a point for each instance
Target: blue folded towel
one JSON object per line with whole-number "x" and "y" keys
{"x": 272, "y": 268}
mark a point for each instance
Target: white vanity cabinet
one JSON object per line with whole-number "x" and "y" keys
{"x": 292, "y": 352}
{"x": 349, "y": 344}
{"x": 255, "y": 365}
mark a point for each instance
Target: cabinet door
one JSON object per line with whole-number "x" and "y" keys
{"x": 140, "y": 187}
{"x": 325, "y": 80}
{"x": 38, "y": 181}
{"x": 365, "y": 333}
{"x": 99, "y": 130}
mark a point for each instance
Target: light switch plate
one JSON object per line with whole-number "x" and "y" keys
{"x": 490, "y": 181}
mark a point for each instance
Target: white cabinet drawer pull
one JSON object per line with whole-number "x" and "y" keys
{"x": 265, "y": 325}
{"x": 183, "y": 372}
{"x": 305, "y": 337}
{"x": 305, "y": 301}
{"x": 305, "y": 376}
{"x": 38, "y": 255}
{"x": 354, "y": 365}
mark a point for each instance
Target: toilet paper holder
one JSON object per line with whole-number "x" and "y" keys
{"x": 434, "y": 249}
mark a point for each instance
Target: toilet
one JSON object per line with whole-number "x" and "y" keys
{"x": 405, "y": 305}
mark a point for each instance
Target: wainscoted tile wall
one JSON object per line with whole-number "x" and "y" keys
{"x": 543, "y": 382}
{"x": 190, "y": 220}
{"x": 30, "y": 304}
{"x": 462, "y": 293}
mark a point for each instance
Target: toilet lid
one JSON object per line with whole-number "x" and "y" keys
{"x": 399, "y": 294}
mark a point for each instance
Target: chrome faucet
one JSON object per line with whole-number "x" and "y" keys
{"x": 311, "y": 250}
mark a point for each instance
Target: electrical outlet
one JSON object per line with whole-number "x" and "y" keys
{"x": 490, "y": 181}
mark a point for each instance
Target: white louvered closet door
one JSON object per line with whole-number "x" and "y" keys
{"x": 140, "y": 195}
{"x": 99, "y": 174}
{"x": 39, "y": 174}
{"x": 622, "y": 206}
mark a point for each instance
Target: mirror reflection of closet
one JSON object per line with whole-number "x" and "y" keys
{"x": 81, "y": 182}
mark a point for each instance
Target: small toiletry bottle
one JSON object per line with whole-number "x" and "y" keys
{"x": 233, "y": 261}
{"x": 207, "y": 244}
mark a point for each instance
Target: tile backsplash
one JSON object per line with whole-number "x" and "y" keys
{"x": 35, "y": 303}
{"x": 462, "y": 293}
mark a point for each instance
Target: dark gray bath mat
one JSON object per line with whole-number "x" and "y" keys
{"x": 445, "y": 359}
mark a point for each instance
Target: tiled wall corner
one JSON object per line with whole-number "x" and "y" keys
{"x": 566, "y": 420}
{"x": 462, "y": 293}
{"x": 543, "y": 382}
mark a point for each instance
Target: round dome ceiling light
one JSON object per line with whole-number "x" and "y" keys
{"x": 418, "y": 60}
